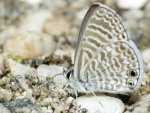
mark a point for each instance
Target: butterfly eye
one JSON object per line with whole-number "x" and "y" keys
{"x": 132, "y": 73}
{"x": 131, "y": 83}
{"x": 68, "y": 73}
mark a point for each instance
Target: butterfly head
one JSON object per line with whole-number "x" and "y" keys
{"x": 68, "y": 73}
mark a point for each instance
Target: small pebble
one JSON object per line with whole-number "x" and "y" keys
{"x": 5, "y": 95}
{"x": 131, "y": 4}
{"x": 101, "y": 104}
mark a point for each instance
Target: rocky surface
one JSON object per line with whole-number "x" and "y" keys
{"x": 101, "y": 104}
{"x": 141, "y": 106}
{"x": 29, "y": 45}
{"x": 38, "y": 41}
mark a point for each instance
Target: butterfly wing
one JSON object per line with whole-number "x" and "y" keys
{"x": 105, "y": 53}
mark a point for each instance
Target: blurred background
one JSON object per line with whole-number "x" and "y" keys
{"x": 33, "y": 28}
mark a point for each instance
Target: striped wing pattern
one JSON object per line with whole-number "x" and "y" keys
{"x": 105, "y": 53}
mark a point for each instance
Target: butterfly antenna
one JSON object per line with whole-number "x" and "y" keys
{"x": 91, "y": 92}
{"x": 58, "y": 74}
{"x": 63, "y": 73}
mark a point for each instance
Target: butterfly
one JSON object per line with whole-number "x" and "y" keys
{"x": 106, "y": 59}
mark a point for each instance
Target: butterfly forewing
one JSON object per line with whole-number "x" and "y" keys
{"x": 105, "y": 53}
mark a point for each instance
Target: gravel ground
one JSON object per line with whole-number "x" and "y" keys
{"x": 37, "y": 42}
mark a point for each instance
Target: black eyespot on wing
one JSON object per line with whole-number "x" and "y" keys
{"x": 131, "y": 83}
{"x": 132, "y": 73}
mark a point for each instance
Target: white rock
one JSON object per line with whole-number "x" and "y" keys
{"x": 3, "y": 109}
{"x": 32, "y": 2}
{"x": 80, "y": 15}
{"x": 5, "y": 95}
{"x": 60, "y": 79}
{"x": 20, "y": 70}
{"x": 58, "y": 25}
{"x": 1, "y": 64}
{"x": 4, "y": 80}
{"x": 59, "y": 108}
{"x": 101, "y": 104}
{"x": 78, "y": 4}
{"x": 142, "y": 106}
{"x": 46, "y": 101}
{"x": 145, "y": 55}
{"x": 27, "y": 94}
{"x": 35, "y": 21}
{"x": 131, "y": 4}
{"x": 22, "y": 81}
{"x": 133, "y": 14}
{"x": 147, "y": 9}
{"x": 29, "y": 45}
{"x": 51, "y": 70}
{"x": 45, "y": 110}
{"x": 7, "y": 33}
{"x": 59, "y": 3}
{"x": 34, "y": 111}
{"x": 66, "y": 51}
{"x": 69, "y": 100}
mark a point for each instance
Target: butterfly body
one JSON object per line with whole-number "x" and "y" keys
{"x": 106, "y": 59}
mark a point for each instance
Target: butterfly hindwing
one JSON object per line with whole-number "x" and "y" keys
{"x": 105, "y": 51}
{"x": 107, "y": 69}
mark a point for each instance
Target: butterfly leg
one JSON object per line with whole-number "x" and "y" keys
{"x": 89, "y": 90}
{"x": 72, "y": 87}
